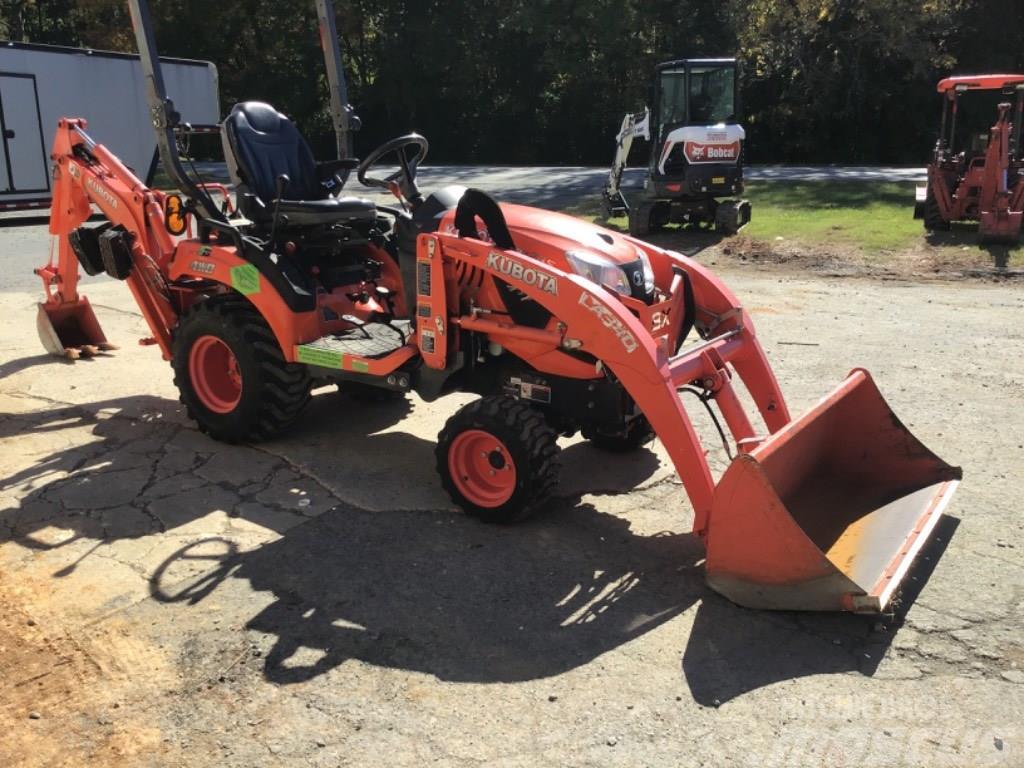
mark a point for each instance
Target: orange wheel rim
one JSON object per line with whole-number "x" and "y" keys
{"x": 482, "y": 468}
{"x": 213, "y": 371}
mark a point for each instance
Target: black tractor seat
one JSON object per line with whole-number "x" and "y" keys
{"x": 333, "y": 210}
{"x": 261, "y": 145}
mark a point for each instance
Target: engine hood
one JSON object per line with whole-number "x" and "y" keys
{"x": 547, "y": 235}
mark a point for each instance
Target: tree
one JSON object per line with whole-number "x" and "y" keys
{"x": 547, "y": 81}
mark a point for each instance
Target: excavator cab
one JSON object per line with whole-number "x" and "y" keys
{"x": 695, "y": 154}
{"x": 696, "y": 92}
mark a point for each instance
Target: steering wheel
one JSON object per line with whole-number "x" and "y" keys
{"x": 403, "y": 180}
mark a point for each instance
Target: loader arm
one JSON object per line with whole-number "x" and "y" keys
{"x": 593, "y": 321}
{"x": 634, "y": 125}
{"x": 823, "y": 512}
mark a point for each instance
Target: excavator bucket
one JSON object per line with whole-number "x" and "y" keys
{"x": 70, "y": 329}
{"x": 829, "y": 512}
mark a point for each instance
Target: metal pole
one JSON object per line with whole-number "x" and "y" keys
{"x": 341, "y": 111}
{"x": 942, "y": 127}
{"x": 162, "y": 112}
{"x": 1018, "y": 115}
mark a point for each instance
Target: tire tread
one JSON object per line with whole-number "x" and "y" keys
{"x": 535, "y": 436}
{"x": 285, "y": 388}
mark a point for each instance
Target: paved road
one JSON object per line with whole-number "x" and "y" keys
{"x": 560, "y": 186}
{"x": 553, "y": 187}
{"x": 167, "y": 600}
{"x": 566, "y": 185}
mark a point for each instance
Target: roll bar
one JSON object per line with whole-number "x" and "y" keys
{"x": 345, "y": 121}
{"x": 166, "y": 120}
{"x": 162, "y": 113}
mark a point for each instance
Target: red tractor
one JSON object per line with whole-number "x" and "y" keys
{"x": 559, "y": 325}
{"x": 977, "y": 171}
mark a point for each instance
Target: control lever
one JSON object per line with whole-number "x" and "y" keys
{"x": 280, "y": 186}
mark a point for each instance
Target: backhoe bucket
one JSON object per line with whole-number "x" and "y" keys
{"x": 830, "y": 511}
{"x": 70, "y": 329}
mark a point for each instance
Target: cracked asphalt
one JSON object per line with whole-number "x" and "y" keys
{"x": 167, "y": 600}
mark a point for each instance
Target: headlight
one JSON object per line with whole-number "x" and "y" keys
{"x": 600, "y": 270}
{"x": 645, "y": 262}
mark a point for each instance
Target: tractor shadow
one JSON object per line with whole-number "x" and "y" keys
{"x": 426, "y": 589}
{"x": 134, "y": 466}
{"x": 12, "y": 367}
{"x": 440, "y": 594}
{"x": 689, "y": 240}
{"x": 965, "y": 236}
{"x": 732, "y": 651}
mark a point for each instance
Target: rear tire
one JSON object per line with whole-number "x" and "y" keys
{"x": 231, "y": 375}
{"x": 933, "y": 220}
{"x": 498, "y": 459}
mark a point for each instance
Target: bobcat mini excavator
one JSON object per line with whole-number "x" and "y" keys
{"x": 696, "y": 151}
{"x": 559, "y": 325}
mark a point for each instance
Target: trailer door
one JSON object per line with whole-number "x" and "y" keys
{"x": 23, "y": 165}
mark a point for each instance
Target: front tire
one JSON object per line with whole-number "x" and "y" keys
{"x": 231, "y": 375}
{"x": 498, "y": 459}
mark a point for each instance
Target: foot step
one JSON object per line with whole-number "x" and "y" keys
{"x": 371, "y": 340}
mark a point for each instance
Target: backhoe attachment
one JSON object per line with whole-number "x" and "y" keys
{"x": 65, "y": 322}
{"x": 70, "y": 329}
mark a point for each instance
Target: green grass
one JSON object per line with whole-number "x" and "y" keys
{"x": 877, "y": 217}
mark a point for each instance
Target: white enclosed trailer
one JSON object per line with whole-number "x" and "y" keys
{"x": 39, "y": 84}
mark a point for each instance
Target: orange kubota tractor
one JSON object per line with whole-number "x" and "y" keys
{"x": 561, "y": 326}
{"x": 977, "y": 172}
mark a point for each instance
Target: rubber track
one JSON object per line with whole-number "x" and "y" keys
{"x": 286, "y": 386}
{"x": 639, "y": 219}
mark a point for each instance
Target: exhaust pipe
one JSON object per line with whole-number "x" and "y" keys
{"x": 829, "y": 512}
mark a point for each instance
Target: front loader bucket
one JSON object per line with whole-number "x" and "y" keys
{"x": 70, "y": 329}
{"x": 829, "y": 512}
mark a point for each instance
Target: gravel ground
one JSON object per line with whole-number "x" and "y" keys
{"x": 166, "y": 600}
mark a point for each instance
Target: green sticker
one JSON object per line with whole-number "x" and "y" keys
{"x": 246, "y": 279}
{"x": 205, "y": 250}
{"x": 315, "y": 356}
{"x": 358, "y": 365}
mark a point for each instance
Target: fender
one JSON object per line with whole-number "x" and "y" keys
{"x": 222, "y": 264}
